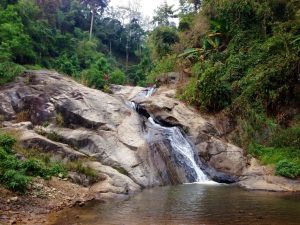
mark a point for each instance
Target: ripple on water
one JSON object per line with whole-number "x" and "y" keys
{"x": 191, "y": 204}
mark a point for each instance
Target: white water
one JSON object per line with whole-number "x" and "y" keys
{"x": 179, "y": 143}
{"x": 181, "y": 146}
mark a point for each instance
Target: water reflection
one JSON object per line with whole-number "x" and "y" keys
{"x": 191, "y": 204}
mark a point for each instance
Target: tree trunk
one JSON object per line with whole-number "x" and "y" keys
{"x": 127, "y": 57}
{"x": 110, "y": 47}
{"x": 127, "y": 54}
{"x": 92, "y": 24}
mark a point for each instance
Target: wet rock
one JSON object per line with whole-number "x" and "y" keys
{"x": 223, "y": 161}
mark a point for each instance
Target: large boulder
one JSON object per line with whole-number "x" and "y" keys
{"x": 70, "y": 120}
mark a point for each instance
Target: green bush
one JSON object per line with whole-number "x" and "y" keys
{"x": 288, "y": 169}
{"x": 165, "y": 65}
{"x": 117, "y": 77}
{"x": 162, "y": 39}
{"x": 8, "y": 72}
{"x": 189, "y": 93}
{"x": 214, "y": 93}
{"x": 68, "y": 64}
{"x": 287, "y": 138}
{"x": 6, "y": 141}
{"x": 16, "y": 174}
{"x": 15, "y": 180}
{"x": 95, "y": 74}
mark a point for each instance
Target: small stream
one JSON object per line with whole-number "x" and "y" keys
{"x": 190, "y": 204}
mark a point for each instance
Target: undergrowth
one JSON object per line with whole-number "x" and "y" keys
{"x": 16, "y": 173}
{"x": 18, "y": 166}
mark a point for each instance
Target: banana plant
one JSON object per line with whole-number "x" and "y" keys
{"x": 211, "y": 41}
{"x": 191, "y": 53}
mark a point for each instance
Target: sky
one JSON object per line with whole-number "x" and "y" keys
{"x": 147, "y": 6}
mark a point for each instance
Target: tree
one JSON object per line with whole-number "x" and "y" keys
{"x": 186, "y": 5}
{"x": 163, "y": 14}
{"x": 95, "y": 6}
{"x": 161, "y": 40}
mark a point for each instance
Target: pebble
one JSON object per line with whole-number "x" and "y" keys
{"x": 81, "y": 204}
{"x": 14, "y": 199}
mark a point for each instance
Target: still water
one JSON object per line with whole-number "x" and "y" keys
{"x": 190, "y": 204}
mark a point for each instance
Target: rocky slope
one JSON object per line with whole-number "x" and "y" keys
{"x": 95, "y": 126}
{"x": 55, "y": 114}
{"x": 222, "y": 161}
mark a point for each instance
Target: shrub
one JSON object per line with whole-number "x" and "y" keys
{"x": 68, "y": 64}
{"x": 162, "y": 39}
{"x": 189, "y": 93}
{"x": 33, "y": 167}
{"x": 288, "y": 169}
{"x": 6, "y": 142}
{"x": 215, "y": 93}
{"x": 15, "y": 180}
{"x": 117, "y": 77}
{"x": 17, "y": 174}
{"x": 8, "y": 72}
{"x": 287, "y": 138}
{"x": 165, "y": 65}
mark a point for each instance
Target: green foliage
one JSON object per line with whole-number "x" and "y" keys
{"x": 162, "y": 39}
{"x": 95, "y": 74}
{"x": 15, "y": 43}
{"x": 15, "y": 180}
{"x": 288, "y": 169}
{"x": 162, "y": 66}
{"x": 137, "y": 73}
{"x": 163, "y": 14}
{"x": 247, "y": 64}
{"x": 215, "y": 93}
{"x": 287, "y": 138}
{"x": 117, "y": 77}
{"x": 189, "y": 93}
{"x": 283, "y": 151}
{"x": 67, "y": 64}
{"x": 16, "y": 174}
{"x": 8, "y": 72}
{"x": 54, "y": 35}
{"x": 6, "y": 142}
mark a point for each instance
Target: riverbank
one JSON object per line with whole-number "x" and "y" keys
{"x": 42, "y": 198}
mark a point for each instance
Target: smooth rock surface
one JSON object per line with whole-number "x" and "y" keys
{"x": 92, "y": 124}
{"x": 82, "y": 122}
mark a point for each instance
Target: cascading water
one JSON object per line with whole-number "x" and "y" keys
{"x": 182, "y": 152}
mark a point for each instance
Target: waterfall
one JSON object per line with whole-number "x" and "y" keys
{"x": 182, "y": 151}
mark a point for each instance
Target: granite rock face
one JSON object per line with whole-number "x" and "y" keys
{"x": 72, "y": 121}
{"x": 55, "y": 114}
